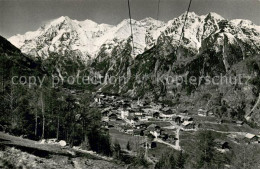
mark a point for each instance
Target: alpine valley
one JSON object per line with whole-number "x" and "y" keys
{"x": 211, "y": 46}
{"x": 186, "y": 94}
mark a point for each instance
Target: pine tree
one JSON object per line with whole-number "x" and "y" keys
{"x": 117, "y": 149}
{"x": 128, "y": 147}
{"x": 206, "y": 149}
{"x": 180, "y": 161}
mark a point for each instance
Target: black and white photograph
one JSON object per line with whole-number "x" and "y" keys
{"x": 130, "y": 84}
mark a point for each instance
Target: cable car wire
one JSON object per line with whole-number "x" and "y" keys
{"x": 130, "y": 17}
{"x": 182, "y": 31}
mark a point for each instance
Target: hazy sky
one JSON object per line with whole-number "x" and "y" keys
{"x": 20, "y": 16}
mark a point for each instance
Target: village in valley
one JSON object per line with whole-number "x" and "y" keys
{"x": 152, "y": 125}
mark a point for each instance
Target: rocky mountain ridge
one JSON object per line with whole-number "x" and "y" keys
{"x": 88, "y": 39}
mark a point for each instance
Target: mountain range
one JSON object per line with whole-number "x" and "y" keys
{"x": 210, "y": 46}
{"x": 88, "y": 39}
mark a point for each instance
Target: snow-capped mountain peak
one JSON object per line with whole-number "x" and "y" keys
{"x": 88, "y": 38}
{"x": 85, "y": 38}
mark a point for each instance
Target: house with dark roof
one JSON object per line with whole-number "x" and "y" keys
{"x": 112, "y": 117}
{"x": 239, "y": 123}
{"x": 188, "y": 125}
{"x": 138, "y": 132}
{"x": 220, "y": 144}
{"x": 156, "y": 115}
{"x": 177, "y": 119}
{"x": 166, "y": 115}
{"x": 251, "y": 138}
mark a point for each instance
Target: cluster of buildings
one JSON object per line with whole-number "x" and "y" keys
{"x": 247, "y": 138}
{"x": 156, "y": 120}
{"x": 142, "y": 118}
{"x": 134, "y": 112}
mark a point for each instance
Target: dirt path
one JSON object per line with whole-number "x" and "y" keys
{"x": 177, "y": 143}
{"x": 228, "y": 132}
{"x": 34, "y": 146}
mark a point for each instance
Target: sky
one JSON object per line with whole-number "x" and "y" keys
{"x": 20, "y": 16}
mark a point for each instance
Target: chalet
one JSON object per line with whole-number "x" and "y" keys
{"x": 145, "y": 103}
{"x": 105, "y": 118}
{"x": 157, "y": 128}
{"x": 120, "y": 101}
{"x": 134, "y": 105}
{"x": 124, "y": 114}
{"x": 164, "y": 137}
{"x": 239, "y": 123}
{"x": 131, "y": 119}
{"x": 186, "y": 118}
{"x": 136, "y": 119}
{"x": 120, "y": 121}
{"x": 73, "y": 92}
{"x": 143, "y": 125}
{"x": 155, "y": 133}
{"x": 144, "y": 117}
{"x": 112, "y": 117}
{"x": 154, "y": 130}
{"x": 251, "y": 138}
{"x": 131, "y": 113}
{"x": 151, "y": 127}
{"x": 128, "y": 129}
{"x": 52, "y": 141}
{"x": 156, "y": 115}
{"x": 165, "y": 109}
{"x": 124, "y": 105}
{"x": 210, "y": 113}
{"x": 166, "y": 115}
{"x": 220, "y": 121}
{"x": 127, "y": 101}
{"x": 134, "y": 110}
{"x": 171, "y": 136}
{"x": 105, "y": 113}
{"x": 149, "y": 110}
{"x": 170, "y": 111}
{"x": 138, "y": 132}
{"x": 138, "y": 113}
{"x": 148, "y": 116}
{"x": 146, "y": 132}
{"x": 188, "y": 125}
{"x": 202, "y": 112}
{"x": 198, "y": 125}
{"x": 156, "y": 106}
{"x": 110, "y": 126}
{"x": 144, "y": 144}
{"x": 220, "y": 144}
{"x": 137, "y": 125}
{"x": 111, "y": 97}
{"x": 177, "y": 119}
{"x": 184, "y": 112}
{"x": 148, "y": 145}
